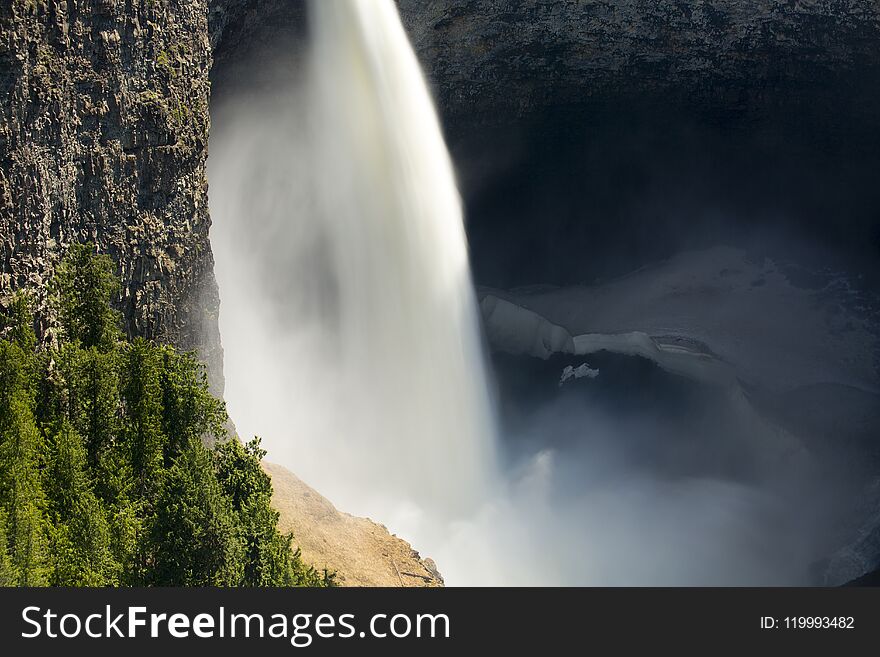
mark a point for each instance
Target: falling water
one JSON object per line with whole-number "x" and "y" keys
{"x": 408, "y": 328}
{"x": 349, "y": 321}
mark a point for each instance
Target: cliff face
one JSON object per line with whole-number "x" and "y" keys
{"x": 491, "y": 60}
{"x": 625, "y": 129}
{"x": 103, "y": 137}
{"x": 494, "y": 58}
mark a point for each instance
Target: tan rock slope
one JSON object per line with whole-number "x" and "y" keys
{"x": 362, "y": 552}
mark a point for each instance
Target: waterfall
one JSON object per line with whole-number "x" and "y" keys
{"x": 409, "y": 336}
{"x": 352, "y": 346}
{"x": 348, "y": 314}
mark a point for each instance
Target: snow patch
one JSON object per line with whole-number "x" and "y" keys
{"x": 579, "y": 372}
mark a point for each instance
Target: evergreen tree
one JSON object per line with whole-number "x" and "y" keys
{"x": 142, "y": 394}
{"x": 88, "y": 391}
{"x": 18, "y": 323}
{"x": 194, "y": 533}
{"x": 269, "y": 557}
{"x": 8, "y": 576}
{"x": 105, "y": 477}
{"x": 189, "y": 410}
{"x": 21, "y": 494}
{"x": 88, "y": 361}
{"x": 81, "y": 543}
{"x": 128, "y": 545}
{"x": 83, "y": 287}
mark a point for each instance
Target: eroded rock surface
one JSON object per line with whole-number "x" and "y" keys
{"x": 497, "y": 58}
{"x": 103, "y": 137}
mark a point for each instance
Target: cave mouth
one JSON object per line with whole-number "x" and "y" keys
{"x": 575, "y": 194}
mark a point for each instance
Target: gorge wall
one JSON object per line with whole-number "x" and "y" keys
{"x": 594, "y": 138}
{"x": 492, "y": 59}
{"x": 103, "y": 137}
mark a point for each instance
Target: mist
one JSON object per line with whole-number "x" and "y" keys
{"x": 587, "y": 495}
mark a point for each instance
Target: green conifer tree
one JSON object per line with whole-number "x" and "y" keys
{"x": 21, "y": 445}
{"x": 83, "y": 287}
{"x": 8, "y": 576}
{"x": 105, "y": 476}
{"x": 189, "y": 410}
{"x": 81, "y": 542}
{"x": 270, "y": 559}
{"x": 193, "y": 534}
{"x": 142, "y": 394}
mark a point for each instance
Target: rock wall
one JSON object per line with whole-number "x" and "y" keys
{"x": 104, "y": 107}
{"x": 620, "y": 129}
{"x": 499, "y": 58}
{"x": 103, "y": 137}
{"x": 491, "y": 60}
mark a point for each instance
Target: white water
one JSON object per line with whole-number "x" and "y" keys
{"x": 348, "y": 317}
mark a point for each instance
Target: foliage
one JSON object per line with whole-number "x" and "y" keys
{"x": 83, "y": 288}
{"x": 22, "y": 500}
{"x": 268, "y": 554}
{"x": 105, "y": 476}
{"x": 194, "y": 537}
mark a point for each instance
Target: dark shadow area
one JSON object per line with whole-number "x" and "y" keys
{"x": 583, "y": 193}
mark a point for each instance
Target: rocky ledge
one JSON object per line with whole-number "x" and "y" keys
{"x": 362, "y": 552}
